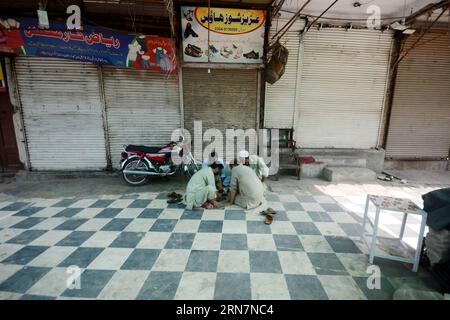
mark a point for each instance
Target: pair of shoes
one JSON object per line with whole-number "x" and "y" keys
{"x": 189, "y": 31}
{"x": 269, "y": 219}
{"x": 174, "y": 200}
{"x": 252, "y": 55}
{"x": 174, "y": 195}
{"x": 193, "y": 51}
{"x": 268, "y": 211}
{"x": 224, "y": 54}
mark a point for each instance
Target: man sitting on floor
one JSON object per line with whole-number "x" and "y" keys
{"x": 256, "y": 163}
{"x": 247, "y": 190}
{"x": 201, "y": 189}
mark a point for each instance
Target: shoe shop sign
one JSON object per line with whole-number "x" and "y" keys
{"x": 22, "y": 36}
{"x": 222, "y": 35}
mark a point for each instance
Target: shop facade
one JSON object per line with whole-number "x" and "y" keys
{"x": 419, "y": 127}
{"x": 332, "y": 94}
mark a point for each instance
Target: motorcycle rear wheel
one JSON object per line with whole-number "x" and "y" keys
{"x": 134, "y": 179}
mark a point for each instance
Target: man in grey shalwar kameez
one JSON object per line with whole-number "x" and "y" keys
{"x": 201, "y": 189}
{"x": 247, "y": 190}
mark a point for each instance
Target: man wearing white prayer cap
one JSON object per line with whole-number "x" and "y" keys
{"x": 256, "y": 163}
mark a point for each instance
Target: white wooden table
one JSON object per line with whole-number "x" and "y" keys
{"x": 399, "y": 205}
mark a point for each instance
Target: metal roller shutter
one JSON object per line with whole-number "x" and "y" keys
{"x": 342, "y": 87}
{"x": 222, "y": 99}
{"x": 280, "y": 97}
{"x": 62, "y": 113}
{"x": 142, "y": 107}
{"x": 420, "y": 119}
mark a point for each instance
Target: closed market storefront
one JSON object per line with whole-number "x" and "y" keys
{"x": 280, "y": 97}
{"x": 420, "y": 117}
{"x": 220, "y": 99}
{"x": 62, "y": 113}
{"x": 142, "y": 107}
{"x": 343, "y": 78}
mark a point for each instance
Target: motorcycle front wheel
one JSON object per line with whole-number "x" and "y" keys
{"x": 190, "y": 170}
{"x": 136, "y": 179}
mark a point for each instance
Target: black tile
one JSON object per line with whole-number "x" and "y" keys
{"x": 25, "y": 255}
{"x": 27, "y": 236}
{"x": 23, "y": 279}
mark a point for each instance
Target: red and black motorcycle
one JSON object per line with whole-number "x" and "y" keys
{"x": 139, "y": 162}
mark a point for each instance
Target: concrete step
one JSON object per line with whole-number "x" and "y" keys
{"x": 313, "y": 170}
{"x": 342, "y": 161}
{"x": 338, "y": 174}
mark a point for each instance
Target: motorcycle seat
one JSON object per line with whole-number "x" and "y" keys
{"x": 144, "y": 149}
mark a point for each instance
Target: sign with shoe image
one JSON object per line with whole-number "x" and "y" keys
{"x": 222, "y": 35}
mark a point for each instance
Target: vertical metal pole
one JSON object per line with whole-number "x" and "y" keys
{"x": 419, "y": 242}
{"x": 180, "y": 88}
{"x": 402, "y": 229}
{"x": 374, "y": 237}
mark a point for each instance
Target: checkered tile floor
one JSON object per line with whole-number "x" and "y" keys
{"x": 139, "y": 247}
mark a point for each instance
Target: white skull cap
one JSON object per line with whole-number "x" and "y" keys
{"x": 244, "y": 154}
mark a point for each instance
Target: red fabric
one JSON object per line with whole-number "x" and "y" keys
{"x": 307, "y": 159}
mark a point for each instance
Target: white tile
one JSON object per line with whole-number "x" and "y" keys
{"x": 8, "y": 249}
{"x": 88, "y": 213}
{"x": 110, "y": 259}
{"x": 7, "y": 234}
{"x": 124, "y": 285}
{"x": 234, "y": 226}
{"x": 101, "y": 239}
{"x": 45, "y": 203}
{"x": 171, "y": 214}
{"x": 93, "y": 225}
{"x": 310, "y": 206}
{"x": 171, "y": 260}
{"x": 207, "y": 241}
{"x": 53, "y": 284}
{"x": 50, "y": 238}
{"x": 287, "y": 198}
{"x": 154, "y": 240}
{"x": 140, "y": 225}
{"x": 330, "y": 229}
{"x": 294, "y": 262}
{"x": 315, "y": 244}
{"x": 213, "y": 214}
{"x": 47, "y": 212}
{"x": 299, "y": 216}
{"x": 49, "y": 223}
{"x": 121, "y": 203}
{"x": 271, "y": 287}
{"x": 158, "y": 204}
{"x": 341, "y": 217}
{"x": 355, "y": 264}
{"x": 52, "y": 257}
{"x": 234, "y": 261}
{"x": 9, "y": 295}
{"x": 282, "y": 227}
{"x": 187, "y": 226}
{"x": 341, "y": 288}
{"x": 7, "y": 270}
{"x": 196, "y": 286}
{"x": 10, "y": 221}
{"x": 324, "y": 199}
{"x": 262, "y": 242}
{"x": 130, "y": 213}
{"x": 84, "y": 203}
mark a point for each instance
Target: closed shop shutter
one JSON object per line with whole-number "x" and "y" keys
{"x": 222, "y": 99}
{"x": 342, "y": 87}
{"x": 62, "y": 113}
{"x": 142, "y": 107}
{"x": 279, "y": 102}
{"x": 420, "y": 118}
